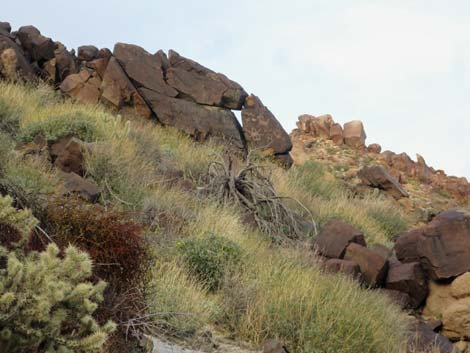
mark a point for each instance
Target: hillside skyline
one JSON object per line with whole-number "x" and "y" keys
{"x": 406, "y": 82}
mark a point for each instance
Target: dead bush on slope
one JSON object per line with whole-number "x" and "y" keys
{"x": 280, "y": 217}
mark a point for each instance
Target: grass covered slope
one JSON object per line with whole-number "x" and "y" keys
{"x": 209, "y": 269}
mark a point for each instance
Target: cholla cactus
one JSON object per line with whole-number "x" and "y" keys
{"x": 45, "y": 303}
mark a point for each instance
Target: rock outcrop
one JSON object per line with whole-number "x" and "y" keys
{"x": 175, "y": 90}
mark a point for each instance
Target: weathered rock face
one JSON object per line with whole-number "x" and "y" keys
{"x": 354, "y": 134}
{"x": 261, "y": 128}
{"x": 197, "y": 120}
{"x": 40, "y": 48}
{"x": 373, "y": 266}
{"x": 119, "y": 92}
{"x": 144, "y": 69}
{"x": 376, "y": 176}
{"x": 335, "y": 237}
{"x": 424, "y": 339}
{"x": 408, "y": 278}
{"x": 203, "y": 86}
{"x": 64, "y": 63}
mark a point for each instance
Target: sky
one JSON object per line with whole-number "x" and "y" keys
{"x": 402, "y": 67}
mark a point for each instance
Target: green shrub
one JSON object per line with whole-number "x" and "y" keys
{"x": 77, "y": 124}
{"x": 45, "y": 303}
{"x": 210, "y": 258}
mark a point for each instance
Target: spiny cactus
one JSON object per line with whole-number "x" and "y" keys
{"x": 46, "y": 305}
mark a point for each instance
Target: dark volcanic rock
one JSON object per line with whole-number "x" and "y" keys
{"x": 373, "y": 266}
{"x": 335, "y": 237}
{"x": 119, "y": 92}
{"x": 87, "y": 53}
{"x": 197, "y": 120}
{"x": 202, "y": 85}
{"x": 408, "y": 278}
{"x": 40, "y": 48}
{"x": 5, "y": 28}
{"x": 401, "y": 299}
{"x": 442, "y": 247}
{"x": 144, "y": 69}
{"x": 64, "y": 62}
{"x": 68, "y": 156}
{"x": 424, "y": 339}
{"x": 262, "y": 130}
{"x": 377, "y": 176}
{"x": 75, "y": 184}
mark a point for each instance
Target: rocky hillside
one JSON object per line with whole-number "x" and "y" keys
{"x": 137, "y": 215}
{"x": 421, "y": 190}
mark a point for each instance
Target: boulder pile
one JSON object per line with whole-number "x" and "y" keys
{"x": 398, "y": 168}
{"x": 174, "y": 90}
{"x": 427, "y": 272}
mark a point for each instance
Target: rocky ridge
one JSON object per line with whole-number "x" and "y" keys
{"x": 419, "y": 188}
{"x": 173, "y": 90}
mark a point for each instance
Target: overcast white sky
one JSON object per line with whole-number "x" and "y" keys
{"x": 402, "y": 67}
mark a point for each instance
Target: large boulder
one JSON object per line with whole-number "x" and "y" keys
{"x": 13, "y": 64}
{"x": 119, "y": 92}
{"x": 196, "y": 82}
{"x": 335, "y": 237}
{"x": 39, "y": 47}
{"x": 199, "y": 121}
{"x": 145, "y": 70}
{"x": 354, "y": 134}
{"x": 373, "y": 266}
{"x": 442, "y": 247}
{"x": 377, "y": 176}
{"x": 262, "y": 129}
{"x": 408, "y": 278}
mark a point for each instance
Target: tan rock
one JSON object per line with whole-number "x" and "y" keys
{"x": 460, "y": 287}
{"x": 456, "y": 320}
{"x": 354, "y": 134}
{"x": 438, "y": 299}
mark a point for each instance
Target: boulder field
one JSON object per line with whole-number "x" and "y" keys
{"x": 172, "y": 89}
{"x": 427, "y": 273}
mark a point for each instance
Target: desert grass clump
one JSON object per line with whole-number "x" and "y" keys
{"x": 179, "y": 304}
{"x": 251, "y": 189}
{"x": 46, "y": 304}
{"x": 210, "y": 258}
{"x": 10, "y": 118}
